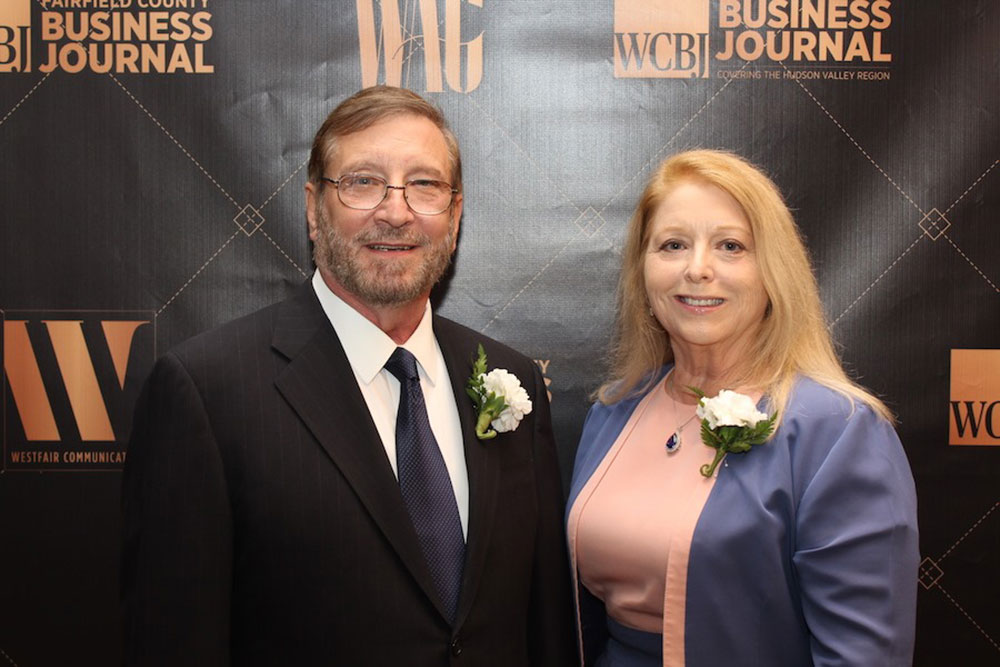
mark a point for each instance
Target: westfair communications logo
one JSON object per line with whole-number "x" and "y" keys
{"x": 15, "y": 36}
{"x": 70, "y": 383}
{"x": 974, "y": 410}
{"x": 661, "y": 38}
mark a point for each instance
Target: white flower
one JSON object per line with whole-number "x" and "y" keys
{"x": 731, "y": 423}
{"x": 729, "y": 408}
{"x": 500, "y": 400}
{"x": 505, "y": 385}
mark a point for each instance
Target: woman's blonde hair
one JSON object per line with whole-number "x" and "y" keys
{"x": 793, "y": 337}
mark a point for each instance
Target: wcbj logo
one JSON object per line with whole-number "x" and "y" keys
{"x": 15, "y": 36}
{"x": 387, "y": 41}
{"x": 70, "y": 383}
{"x": 661, "y": 38}
{"x": 974, "y": 409}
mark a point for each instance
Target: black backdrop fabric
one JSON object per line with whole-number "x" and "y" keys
{"x": 155, "y": 155}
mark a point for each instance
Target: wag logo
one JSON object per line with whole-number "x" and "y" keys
{"x": 974, "y": 410}
{"x": 15, "y": 36}
{"x": 392, "y": 34}
{"x": 661, "y": 38}
{"x": 70, "y": 383}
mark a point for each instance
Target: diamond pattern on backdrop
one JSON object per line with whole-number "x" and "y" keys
{"x": 931, "y": 573}
{"x": 248, "y": 219}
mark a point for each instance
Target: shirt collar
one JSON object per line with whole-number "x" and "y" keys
{"x": 367, "y": 347}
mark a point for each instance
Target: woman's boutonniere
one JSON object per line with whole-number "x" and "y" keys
{"x": 730, "y": 422}
{"x": 501, "y": 402}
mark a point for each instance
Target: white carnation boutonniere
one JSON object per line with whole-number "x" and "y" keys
{"x": 730, "y": 422}
{"x": 501, "y": 402}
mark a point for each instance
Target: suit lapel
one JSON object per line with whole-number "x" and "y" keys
{"x": 480, "y": 462}
{"x": 320, "y": 386}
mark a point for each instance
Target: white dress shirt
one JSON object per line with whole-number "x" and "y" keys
{"x": 368, "y": 348}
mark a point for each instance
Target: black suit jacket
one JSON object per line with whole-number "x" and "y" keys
{"x": 263, "y": 524}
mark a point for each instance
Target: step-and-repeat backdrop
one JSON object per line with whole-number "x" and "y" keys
{"x": 154, "y": 158}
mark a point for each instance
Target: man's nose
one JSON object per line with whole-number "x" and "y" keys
{"x": 393, "y": 209}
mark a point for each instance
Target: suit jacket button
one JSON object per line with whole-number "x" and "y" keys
{"x": 456, "y": 648}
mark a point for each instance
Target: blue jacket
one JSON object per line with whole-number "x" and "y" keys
{"x": 806, "y": 551}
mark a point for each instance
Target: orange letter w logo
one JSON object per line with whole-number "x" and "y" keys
{"x": 75, "y": 364}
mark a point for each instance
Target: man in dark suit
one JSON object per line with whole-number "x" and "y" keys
{"x": 305, "y": 486}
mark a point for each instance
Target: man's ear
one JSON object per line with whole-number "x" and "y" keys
{"x": 312, "y": 199}
{"x": 456, "y": 213}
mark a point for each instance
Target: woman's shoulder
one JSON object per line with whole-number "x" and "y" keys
{"x": 602, "y": 413}
{"x": 603, "y": 417}
{"x": 819, "y": 420}
{"x": 813, "y": 400}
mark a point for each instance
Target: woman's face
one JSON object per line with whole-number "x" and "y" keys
{"x": 701, "y": 273}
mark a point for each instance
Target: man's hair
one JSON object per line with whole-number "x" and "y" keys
{"x": 368, "y": 107}
{"x": 793, "y": 337}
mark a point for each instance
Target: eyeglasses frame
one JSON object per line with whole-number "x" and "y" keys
{"x": 385, "y": 193}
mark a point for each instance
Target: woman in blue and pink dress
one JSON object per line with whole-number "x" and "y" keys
{"x": 802, "y": 550}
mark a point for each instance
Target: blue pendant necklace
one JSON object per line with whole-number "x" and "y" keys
{"x": 674, "y": 441}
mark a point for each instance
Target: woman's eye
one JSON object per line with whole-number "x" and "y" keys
{"x": 672, "y": 245}
{"x": 732, "y": 246}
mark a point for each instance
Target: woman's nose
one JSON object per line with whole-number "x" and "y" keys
{"x": 699, "y": 268}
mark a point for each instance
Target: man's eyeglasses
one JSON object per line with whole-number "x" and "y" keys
{"x": 362, "y": 192}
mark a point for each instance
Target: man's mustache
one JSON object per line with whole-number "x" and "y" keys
{"x": 391, "y": 235}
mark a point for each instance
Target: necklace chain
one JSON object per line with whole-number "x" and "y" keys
{"x": 674, "y": 441}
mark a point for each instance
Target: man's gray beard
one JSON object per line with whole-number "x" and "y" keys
{"x": 379, "y": 283}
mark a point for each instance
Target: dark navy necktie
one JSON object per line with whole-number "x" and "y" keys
{"x": 425, "y": 484}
